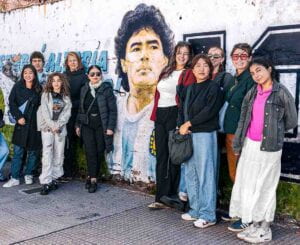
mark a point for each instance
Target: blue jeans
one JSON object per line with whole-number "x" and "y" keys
{"x": 16, "y": 162}
{"x": 4, "y": 151}
{"x": 182, "y": 183}
{"x": 201, "y": 176}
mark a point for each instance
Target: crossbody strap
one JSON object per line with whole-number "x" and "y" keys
{"x": 186, "y": 104}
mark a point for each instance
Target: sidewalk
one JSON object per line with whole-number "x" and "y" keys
{"x": 113, "y": 215}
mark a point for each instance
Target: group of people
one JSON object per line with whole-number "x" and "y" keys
{"x": 251, "y": 110}
{"x": 190, "y": 95}
{"x": 48, "y": 116}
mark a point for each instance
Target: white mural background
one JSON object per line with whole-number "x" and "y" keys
{"x": 80, "y": 25}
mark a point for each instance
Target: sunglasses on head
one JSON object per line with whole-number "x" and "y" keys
{"x": 214, "y": 56}
{"x": 241, "y": 56}
{"x": 92, "y": 74}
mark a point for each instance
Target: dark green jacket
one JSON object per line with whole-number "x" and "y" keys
{"x": 234, "y": 97}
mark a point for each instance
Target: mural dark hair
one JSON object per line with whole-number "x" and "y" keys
{"x": 36, "y": 85}
{"x": 221, "y": 67}
{"x": 94, "y": 66}
{"x": 37, "y": 55}
{"x": 76, "y": 55}
{"x": 143, "y": 16}
{"x": 65, "y": 87}
{"x": 172, "y": 61}
{"x": 207, "y": 61}
{"x": 243, "y": 46}
{"x": 267, "y": 64}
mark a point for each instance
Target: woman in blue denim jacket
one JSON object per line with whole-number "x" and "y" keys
{"x": 268, "y": 110}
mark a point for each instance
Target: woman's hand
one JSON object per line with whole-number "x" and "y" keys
{"x": 21, "y": 121}
{"x": 109, "y": 132}
{"x": 184, "y": 128}
{"x": 77, "y": 130}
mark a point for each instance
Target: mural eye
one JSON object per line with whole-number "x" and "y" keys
{"x": 136, "y": 49}
{"x": 153, "y": 47}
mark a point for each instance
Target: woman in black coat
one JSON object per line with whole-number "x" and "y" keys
{"x": 96, "y": 122}
{"x": 24, "y": 100}
{"x": 77, "y": 79}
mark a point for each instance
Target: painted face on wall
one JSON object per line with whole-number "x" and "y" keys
{"x": 240, "y": 59}
{"x": 38, "y": 64}
{"x": 144, "y": 59}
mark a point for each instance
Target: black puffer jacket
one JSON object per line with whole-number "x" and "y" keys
{"x": 77, "y": 79}
{"x": 26, "y": 135}
{"x": 107, "y": 105}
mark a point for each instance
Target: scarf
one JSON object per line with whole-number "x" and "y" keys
{"x": 93, "y": 87}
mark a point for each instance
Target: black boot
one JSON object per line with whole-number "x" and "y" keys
{"x": 54, "y": 185}
{"x": 88, "y": 183}
{"x": 93, "y": 187}
{"x": 45, "y": 189}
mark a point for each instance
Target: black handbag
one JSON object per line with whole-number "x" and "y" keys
{"x": 181, "y": 146}
{"x": 83, "y": 118}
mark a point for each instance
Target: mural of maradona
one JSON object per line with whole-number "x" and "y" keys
{"x": 143, "y": 47}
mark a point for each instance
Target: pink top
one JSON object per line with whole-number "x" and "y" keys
{"x": 255, "y": 129}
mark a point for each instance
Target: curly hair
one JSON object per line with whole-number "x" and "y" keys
{"x": 65, "y": 88}
{"x": 143, "y": 16}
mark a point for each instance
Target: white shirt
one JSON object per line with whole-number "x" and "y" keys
{"x": 167, "y": 90}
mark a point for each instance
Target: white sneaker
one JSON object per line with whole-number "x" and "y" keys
{"x": 259, "y": 236}
{"x": 12, "y": 182}
{"x": 187, "y": 217}
{"x": 248, "y": 231}
{"x": 183, "y": 196}
{"x": 201, "y": 223}
{"x": 28, "y": 179}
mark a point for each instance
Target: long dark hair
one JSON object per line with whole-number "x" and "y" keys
{"x": 36, "y": 85}
{"x": 172, "y": 62}
{"x": 267, "y": 64}
{"x": 207, "y": 61}
{"x": 65, "y": 87}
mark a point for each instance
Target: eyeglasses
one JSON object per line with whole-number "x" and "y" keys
{"x": 241, "y": 56}
{"x": 214, "y": 56}
{"x": 92, "y": 74}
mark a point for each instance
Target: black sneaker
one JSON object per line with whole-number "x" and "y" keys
{"x": 173, "y": 202}
{"x": 45, "y": 189}
{"x": 93, "y": 187}
{"x": 88, "y": 183}
{"x": 238, "y": 226}
{"x": 54, "y": 185}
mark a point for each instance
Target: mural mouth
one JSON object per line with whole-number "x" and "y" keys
{"x": 144, "y": 70}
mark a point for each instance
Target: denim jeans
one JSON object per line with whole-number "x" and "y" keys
{"x": 201, "y": 176}
{"x": 182, "y": 183}
{"x": 16, "y": 162}
{"x": 4, "y": 151}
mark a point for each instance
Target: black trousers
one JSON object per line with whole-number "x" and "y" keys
{"x": 94, "y": 145}
{"x": 70, "y": 147}
{"x": 167, "y": 174}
